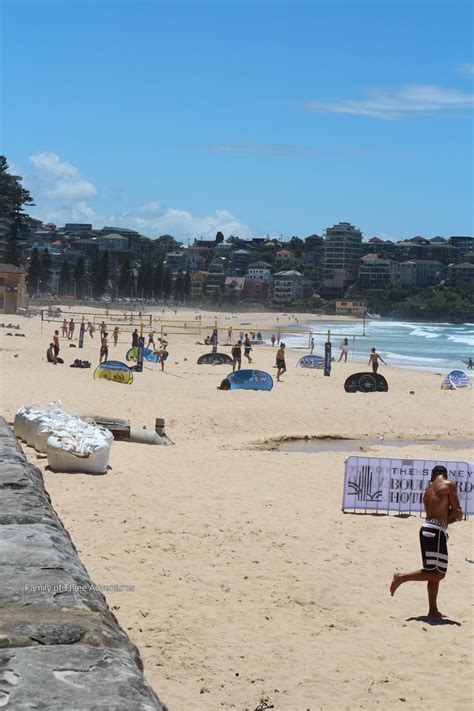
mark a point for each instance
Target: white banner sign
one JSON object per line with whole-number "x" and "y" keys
{"x": 380, "y": 484}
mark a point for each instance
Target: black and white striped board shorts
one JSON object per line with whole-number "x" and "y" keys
{"x": 434, "y": 546}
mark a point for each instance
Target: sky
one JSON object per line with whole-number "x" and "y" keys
{"x": 249, "y": 117}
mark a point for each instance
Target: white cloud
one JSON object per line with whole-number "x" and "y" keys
{"x": 391, "y": 104}
{"x": 55, "y": 180}
{"x": 466, "y": 68}
{"x": 61, "y": 195}
{"x": 181, "y": 223}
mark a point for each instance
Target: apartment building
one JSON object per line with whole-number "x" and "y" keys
{"x": 341, "y": 256}
{"x": 287, "y": 286}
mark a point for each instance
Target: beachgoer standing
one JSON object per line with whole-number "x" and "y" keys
{"x": 91, "y": 329}
{"x": 162, "y": 355}
{"x": 135, "y": 339}
{"x": 237, "y": 356}
{"x": 442, "y": 507}
{"x": 345, "y": 350}
{"x": 280, "y": 361}
{"x": 229, "y": 333}
{"x": 71, "y": 329}
{"x": 104, "y": 347}
{"x": 273, "y": 339}
{"x": 64, "y": 328}
{"x": 374, "y": 358}
{"x": 469, "y": 363}
{"x": 55, "y": 347}
{"x": 312, "y": 345}
{"x": 103, "y": 328}
{"x": 247, "y": 348}
{"x": 115, "y": 334}
{"x": 241, "y": 336}
{"x": 151, "y": 340}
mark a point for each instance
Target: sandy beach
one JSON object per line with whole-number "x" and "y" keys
{"x": 251, "y": 585}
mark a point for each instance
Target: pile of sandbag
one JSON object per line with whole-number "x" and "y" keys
{"x": 71, "y": 444}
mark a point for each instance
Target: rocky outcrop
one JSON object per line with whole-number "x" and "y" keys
{"x": 60, "y": 645}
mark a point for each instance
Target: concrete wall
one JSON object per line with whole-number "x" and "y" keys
{"x": 60, "y": 645}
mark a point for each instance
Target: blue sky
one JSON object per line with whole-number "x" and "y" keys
{"x": 251, "y": 117}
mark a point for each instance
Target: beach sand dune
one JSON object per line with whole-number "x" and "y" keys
{"x": 250, "y": 583}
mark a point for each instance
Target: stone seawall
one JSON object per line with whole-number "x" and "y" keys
{"x": 60, "y": 645}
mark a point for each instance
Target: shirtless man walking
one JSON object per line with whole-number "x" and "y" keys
{"x": 442, "y": 507}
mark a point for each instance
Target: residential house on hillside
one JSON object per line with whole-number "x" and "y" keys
{"x": 234, "y": 286}
{"x": 463, "y": 243}
{"x": 376, "y": 273}
{"x": 461, "y": 274}
{"x": 198, "y": 284}
{"x": 259, "y": 271}
{"x": 421, "y": 272}
{"x": 240, "y": 259}
{"x": 283, "y": 258}
{"x": 287, "y": 286}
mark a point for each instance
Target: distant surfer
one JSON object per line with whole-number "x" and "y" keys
{"x": 469, "y": 363}
{"x": 280, "y": 361}
{"x": 442, "y": 507}
{"x": 374, "y": 359}
{"x": 345, "y": 350}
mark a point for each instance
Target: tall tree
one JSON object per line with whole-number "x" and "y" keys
{"x": 64, "y": 281}
{"x": 124, "y": 278}
{"x": 167, "y": 282}
{"x": 34, "y": 272}
{"x": 148, "y": 279}
{"x": 80, "y": 278}
{"x": 103, "y": 273}
{"x": 187, "y": 284}
{"x": 94, "y": 273}
{"x": 179, "y": 286}
{"x": 46, "y": 271}
{"x": 158, "y": 280}
{"x": 13, "y": 198}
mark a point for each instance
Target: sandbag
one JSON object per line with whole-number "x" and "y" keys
{"x": 84, "y": 453}
{"x": 34, "y": 419}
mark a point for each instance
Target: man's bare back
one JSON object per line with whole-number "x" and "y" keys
{"x": 441, "y": 501}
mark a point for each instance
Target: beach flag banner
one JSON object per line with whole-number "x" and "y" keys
{"x": 456, "y": 379}
{"x": 148, "y": 355}
{"x": 250, "y": 380}
{"x": 140, "y": 349}
{"x": 114, "y": 370}
{"x": 214, "y": 359}
{"x": 384, "y": 485}
{"x": 366, "y": 383}
{"x": 81, "y": 334}
{"x": 311, "y": 361}
{"x": 327, "y": 358}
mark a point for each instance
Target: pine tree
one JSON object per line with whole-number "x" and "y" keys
{"x": 13, "y": 197}
{"x": 158, "y": 280}
{"x": 79, "y": 276}
{"x": 104, "y": 273}
{"x": 124, "y": 278}
{"x": 167, "y": 282}
{"x": 46, "y": 271}
{"x": 187, "y": 284}
{"x": 179, "y": 286}
{"x": 64, "y": 281}
{"x": 34, "y": 272}
{"x": 94, "y": 273}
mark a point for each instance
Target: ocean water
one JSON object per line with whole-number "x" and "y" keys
{"x": 439, "y": 347}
